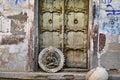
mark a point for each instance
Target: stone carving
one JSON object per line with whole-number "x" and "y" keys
{"x": 51, "y": 59}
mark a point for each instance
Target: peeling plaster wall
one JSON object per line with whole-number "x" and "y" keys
{"x": 16, "y": 34}
{"x": 107, "y": 17}
{"x": 110, "y": 26}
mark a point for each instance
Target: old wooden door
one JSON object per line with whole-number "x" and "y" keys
{"x": 64, "y": 25}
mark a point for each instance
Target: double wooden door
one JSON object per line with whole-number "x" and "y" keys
{"x": 64, "y": 25}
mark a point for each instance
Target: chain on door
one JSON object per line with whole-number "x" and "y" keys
{"x": 64, "y": 25}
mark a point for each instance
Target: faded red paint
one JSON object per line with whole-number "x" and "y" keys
{"x": 30, "y": 49}
{"x": 88, "y": 40}
{"x": 9, "y": 40}
{"x": 95, "y": 39}
{"x": 102, "y": 40}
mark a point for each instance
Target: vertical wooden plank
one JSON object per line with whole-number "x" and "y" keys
{"x": 47, "y": 4}
{"x": 75, "y": 40}
{"x": 57, "y": 21}
{"x": 76, "y": 21}
{"x": 50, "y": 39}
{"x": 70, "y": 4}
{"x": 79, "y": 4}
{"x": 56, "y": 4}
{"x": 46, "y": 20}
{"x": 75, "y": 59}
{"x": 70, "y": 23}
{"x": 51, "y": 23}
{"x": 76, "y": 46}
{"x": 63, "y": 24}
{"x": 81, "y": 23}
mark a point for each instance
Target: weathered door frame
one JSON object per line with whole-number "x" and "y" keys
{"x": 36, "y": 37}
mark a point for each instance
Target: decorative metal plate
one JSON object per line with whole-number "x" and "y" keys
{"x": 51, "y": 59}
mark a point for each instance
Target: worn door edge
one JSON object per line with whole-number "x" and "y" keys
{"x": 36, "y": 35}
{"x": 90, "y": 43}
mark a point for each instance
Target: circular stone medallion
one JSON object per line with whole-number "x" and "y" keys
{"x": 51, "y": 59}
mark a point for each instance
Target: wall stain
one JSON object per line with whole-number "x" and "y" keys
{"x": 18, "y": 23}
{"x": 22, "y": 17}
{"x": 17, "y": 28}
{"x": 9, "y": 40}
{"x": 4, "y": 57}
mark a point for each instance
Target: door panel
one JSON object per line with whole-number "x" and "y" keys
{"x": 63, "y": 24}
{"x": 47, "y": 25}
{"x": 51, "y": 21}
{"x": 47, "y": 4}
{"x": 57, "y": 20}
{"x": 50, "y": 39}
{"x": 77, "y": 4}
{"x": 51, "y": 30}
{"x": 75, "y": 21}
{"x": 76, "y": 58}
{"x": 76, "y": 40}
{"x": 76, "y": 50}
{"x": 76, "y": 33}
{"x": 51, "y": 5}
